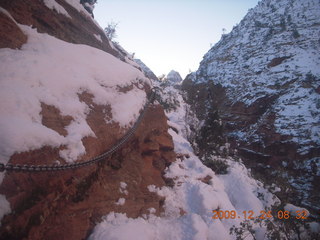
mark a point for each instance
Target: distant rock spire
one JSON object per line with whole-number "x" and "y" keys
{"x": 174, "y": 77}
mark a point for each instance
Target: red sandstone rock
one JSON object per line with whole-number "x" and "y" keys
{"x": 11, "y": 36}
{"x": 68, "y": 204}
{"x": 78, "y": 29}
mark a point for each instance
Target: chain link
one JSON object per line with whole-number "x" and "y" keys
{"x": 48, "y": 168}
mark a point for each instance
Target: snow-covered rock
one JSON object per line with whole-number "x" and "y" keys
{"x": 173, "y": 77}
{"x": 28, "y": 75}
{"x": 263, "y": 78}
{"x": 195, "y": 193}
{"x": 274, "y": 51}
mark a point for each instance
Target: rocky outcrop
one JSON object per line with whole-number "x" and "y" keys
{"x": 67, "y": 204}
{"x": 262, "y": 80}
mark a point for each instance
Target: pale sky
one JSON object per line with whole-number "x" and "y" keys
{"x": 171, "y": 34}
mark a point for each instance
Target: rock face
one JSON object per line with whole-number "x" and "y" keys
{"x": 11, "y": 35}
{"x": 67, "y": 204}
{"x": 70, "y": 26}
{"x": 263, "y": 79}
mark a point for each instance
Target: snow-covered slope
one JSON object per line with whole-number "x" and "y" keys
{"x": 274, "y": 51}
{"x": 263, "y": 79}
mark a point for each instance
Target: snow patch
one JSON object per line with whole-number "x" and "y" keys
{"x": 98, "y": 37}
{"x": 296, "y": 211}
{"x": 4, "y": 206}
{"x": 123, "y": 187}
{"x": 121, "y": 201}
{"x": 52, "y": 4}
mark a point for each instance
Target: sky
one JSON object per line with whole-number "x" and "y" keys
{"x": 171, "y": 34}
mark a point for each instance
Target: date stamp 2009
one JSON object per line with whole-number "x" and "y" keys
{"x": 219, "y": 214}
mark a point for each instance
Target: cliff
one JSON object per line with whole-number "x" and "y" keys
{"x": 262, "y": 80}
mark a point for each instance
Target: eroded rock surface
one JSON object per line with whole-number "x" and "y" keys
{"x": 78, "y": 27}
{"x": 11, "y": 35}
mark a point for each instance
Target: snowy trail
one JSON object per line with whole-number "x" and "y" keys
{"x": 190, "y": 202}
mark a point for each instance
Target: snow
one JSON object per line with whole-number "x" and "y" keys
{"x": 54, "y": 72}
{"x": 121, "y": 201}
{"x": 118, "y": 226}
{"x": 237, "y": 183}
{"x": 126, "y": 106}
{"x": 52, "y": 4}
{"x": 189, "y": 203}
{"x": 298, "y": 116}
{"x": 98, "y": 37}
{"x": 174, "y": 77}
{"x": 239, "y": 62}
{"x": 123, "y": 187}
{"x": 4, "y": 11}
{"x": 4, "y": 206}
{"x": 296, "y": 211}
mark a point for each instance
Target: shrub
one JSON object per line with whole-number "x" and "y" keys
{"x": 111, "y": 30}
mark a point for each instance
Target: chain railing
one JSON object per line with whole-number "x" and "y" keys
{"x": 54, "y": 167}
